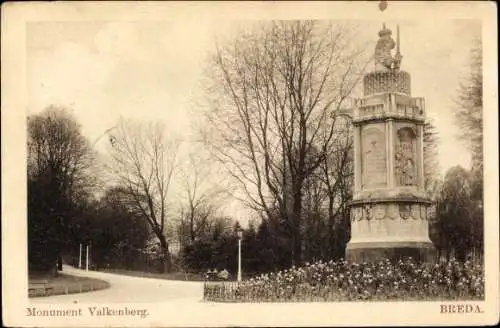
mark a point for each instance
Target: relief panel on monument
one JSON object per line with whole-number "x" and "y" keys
{"x": 405, "y": 160}
{"x": 374, "y": 156}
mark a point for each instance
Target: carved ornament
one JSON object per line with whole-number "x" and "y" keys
{"x": 423, "y": 212}
{"x": 404, "y": 211}
{"x": 379, "y": 212}
{"x": 392, "y": 211}
{"x": 415, "y": 211}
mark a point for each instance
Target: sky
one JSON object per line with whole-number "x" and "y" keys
{"x": 151, "y": 70}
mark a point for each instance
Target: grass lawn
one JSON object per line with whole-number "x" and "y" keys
{"x": 184, "y": 276}
{"x": 66, "y": 284}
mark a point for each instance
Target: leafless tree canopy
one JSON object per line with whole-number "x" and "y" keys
{"x": 202, "y": 198}
{"x": 144, "y": 160}
{"x": 58, "y": 151}
{"x": 60, "y": 180}
{"x": 274, "y": 93}
{"x": 469, "y": 106}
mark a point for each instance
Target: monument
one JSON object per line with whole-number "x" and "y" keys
{"x": 389, "y": 206}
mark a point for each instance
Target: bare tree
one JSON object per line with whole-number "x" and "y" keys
{"x": 273, "y": 91}
{"x": 469, "y": 105}
{"x": 57, "y": 148}
{"x": 202, "y": 198}
{"x": 336, "y": 174}
{"x": 469, "y": 115}
{"x": 143, "y": 161}
{"x": 60, "y": 160}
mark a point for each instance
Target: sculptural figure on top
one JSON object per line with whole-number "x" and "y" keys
{"x": 383, "y": 58}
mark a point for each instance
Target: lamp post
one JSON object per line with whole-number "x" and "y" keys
{"x": 103, "y": 134}
{"x": 80, "y": 257}
{"x": 240, "y": 236}
{"x": 87, "y": 258}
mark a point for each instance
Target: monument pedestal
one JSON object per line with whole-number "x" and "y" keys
{"x": 394, "y": 251}
{"x": 390, "y": 224}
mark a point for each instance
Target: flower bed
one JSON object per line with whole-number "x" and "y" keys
{"x": 342, "y": 281}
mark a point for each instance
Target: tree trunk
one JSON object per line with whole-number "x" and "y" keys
{"x": 191, "y": 227}
{"x": 166, "y": 260}
{"x": 59, "y": 263}
{"x": 331, "y": 230}
{"x": 297, "y": 236}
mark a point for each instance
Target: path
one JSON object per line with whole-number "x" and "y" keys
{"x": 127, "y": 289}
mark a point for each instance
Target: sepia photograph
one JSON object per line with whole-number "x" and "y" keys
{"x": 183, "y": 167}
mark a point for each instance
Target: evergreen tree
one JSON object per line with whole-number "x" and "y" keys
{"x": 431, "y": 161}
{"x": 460, "y": 228}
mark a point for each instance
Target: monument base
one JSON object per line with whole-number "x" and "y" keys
{"x": 394, "y": 251}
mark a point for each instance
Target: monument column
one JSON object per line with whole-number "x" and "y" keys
{"x": 389, "y": 205}
{"x": 421, "y": 175}
{"x": 390, "y": 153}
{"x": 357, "y": 158}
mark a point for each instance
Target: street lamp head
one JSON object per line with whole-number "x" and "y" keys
{"x": 106, "y": 133}
{"x": 239, "y": 232}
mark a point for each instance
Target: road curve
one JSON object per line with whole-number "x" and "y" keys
{"x": 126, "y": 289}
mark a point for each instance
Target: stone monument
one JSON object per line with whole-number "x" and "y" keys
{"x": 389, "y": 206}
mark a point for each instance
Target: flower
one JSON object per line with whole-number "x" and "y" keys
{"x": 357, "y": 280}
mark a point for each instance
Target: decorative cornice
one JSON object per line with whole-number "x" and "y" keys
{"x": 412, "y": 211}
{"x": 388, "y": 116}
{"x": 385, "y": 200}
